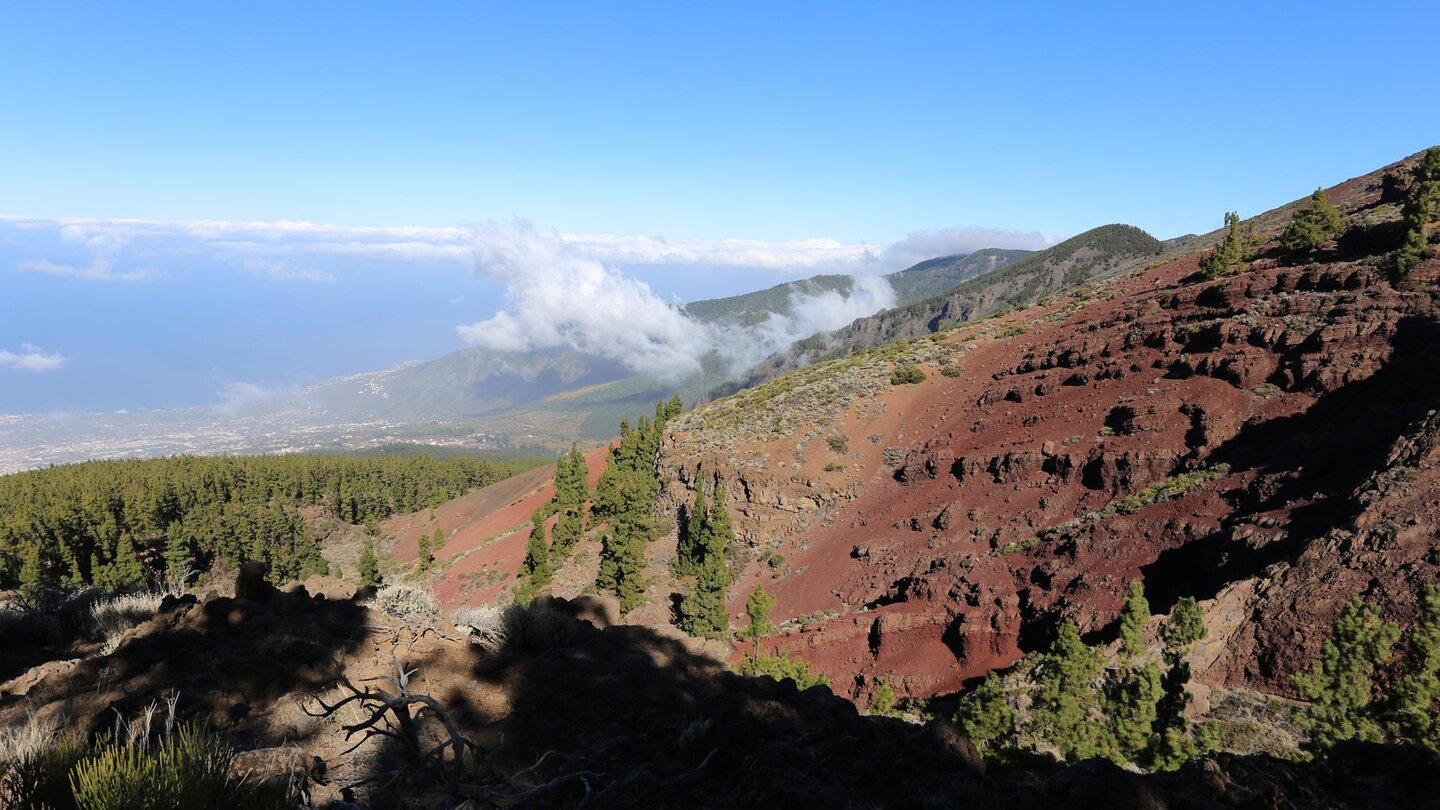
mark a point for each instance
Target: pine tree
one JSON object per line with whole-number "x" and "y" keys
{"x": 1414, "y": 715}
{"x": 1065, "y": 706}
{"x": 674, "y": 408}
{"x": 719, "y": 534}
{"x": 758, "y": 606}
{"x": 568, "y": 529}
{"x": 702, "y": 613}
{"x": 1339, "y": 684}
{"x": 1422, "y": 204}
{"x": 1174, "y": 743}
{"x": 125, "y": 572}
{"x": 571, "y": 486}
{"x": 985, "y": 715}
{"x": 1313, "y": 225}
{"x": 1133, "y": 615}
{"x": 1412, "y": 250}
{"x": 425, "y": 556}
{"x": 369, "y": 566}
{"x": 439, "y": 540}
{"x": 179, "y": 558}
{"x": 625, "y": 495}
{"x": 1234, "y": 250}
{"x": 580, "y": 479}
{"x": 1134, "y": 688}
{"x": 622, "y": 554}
{"x": 1414, "y": 705}
{"x": 693, "y": 535}
{"x": 32, "y": 565}
{"x": 622, "y": 566}
{"x": 607, "y": 489}
{"x": 536, "y": 565}
{"x": 1421, "y": 207}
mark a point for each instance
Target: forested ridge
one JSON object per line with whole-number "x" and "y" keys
{"x": 121, "y": 524}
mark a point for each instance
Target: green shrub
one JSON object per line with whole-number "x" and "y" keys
{"x": 1339, "y": 684}
{"x": 781, "y": 666}
{"x": 985, "y": 714}
{"x": 952, "y": 370}
{"x": 885, "y": 703}
{"x": 907, "y": 374}
{"x": 38, "y": 775}
{"x": 185, "y": 770}
{"x": 838, "y": 443}
{"x": 369, "y": 566}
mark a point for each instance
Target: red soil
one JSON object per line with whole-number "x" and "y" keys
{"x": 485, "y": 531}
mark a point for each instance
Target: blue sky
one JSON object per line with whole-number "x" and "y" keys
{"x": 861, "y": 124}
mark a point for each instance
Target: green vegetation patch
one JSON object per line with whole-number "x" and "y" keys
{"x": 780, "y": 666}
{"x": 121, "y": 524}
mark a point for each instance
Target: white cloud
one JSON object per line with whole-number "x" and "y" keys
{"x": 559, "y": 297}
{"x": 800, "y": 255}
{"x": 918, "y": 246}
{"x": 276, "y": 270}
{"x": 31, "y": 358}
{"x": 98, "y": 269}
{"x": 277, "y": 251}
{"x": 236, "y": 396}
{"x": 558, "y": 294}
{"x": 112, "y": 244}
{"x": 561, "y": 289}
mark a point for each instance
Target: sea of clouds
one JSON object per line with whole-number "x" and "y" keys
{"x": 561, "y": 290}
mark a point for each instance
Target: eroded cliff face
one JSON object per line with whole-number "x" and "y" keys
{"x": 1263, "y": 441}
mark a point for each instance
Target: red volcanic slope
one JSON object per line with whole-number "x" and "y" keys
{"x": 485, "y": 532}
{"x": 1008, "y": 510}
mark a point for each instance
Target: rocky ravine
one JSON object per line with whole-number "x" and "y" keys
{"x": 1264, "y": 441}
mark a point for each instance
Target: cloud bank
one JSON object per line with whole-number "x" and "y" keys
{"x": 128, "y": 250}
{"x": 31, "y": 358}
{"x": 560, "y": 294}
{"x": 561, "y": 289}
{"x": 921, "y": 245}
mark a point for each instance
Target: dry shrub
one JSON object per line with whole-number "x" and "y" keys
{"x": 486, "y": 624}
{"x": 26, "y": 740}
{"x": 109, "y": 619}
{"x": 412, "y": 604}
{"x": 532, "y": 628}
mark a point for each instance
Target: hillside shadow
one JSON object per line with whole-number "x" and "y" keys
{"x": 634, "y": 717}
{"x": 637, "y": 717}
{"x": 220, "y": 660}
{"x": 1317, "y": 459}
